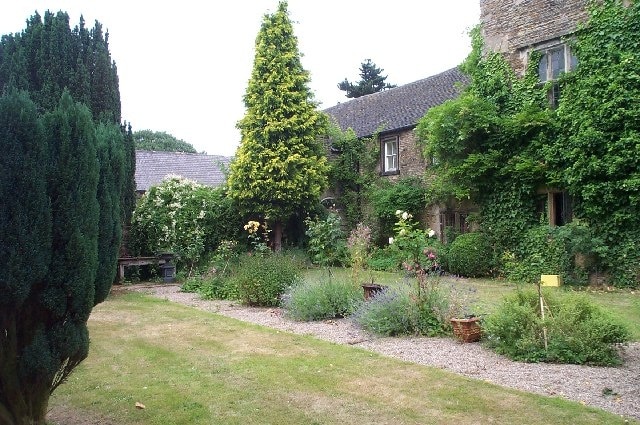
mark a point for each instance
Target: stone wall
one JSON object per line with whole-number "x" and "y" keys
{"x": 411, "y": 161}
{"x": 514, "y": 27}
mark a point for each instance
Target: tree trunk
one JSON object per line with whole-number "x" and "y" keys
{"x": 277, "y": 236}
{"x": 21, "y": 403}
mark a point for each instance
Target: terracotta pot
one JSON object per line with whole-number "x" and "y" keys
{"x": 467, "y": 330}
{"x": 372, "y": 289}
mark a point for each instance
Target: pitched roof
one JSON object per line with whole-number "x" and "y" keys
{"x": 153, "y": 166}
{"x": 397, "y": 108}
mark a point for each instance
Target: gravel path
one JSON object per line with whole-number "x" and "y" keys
{"x": 616, "y": 389}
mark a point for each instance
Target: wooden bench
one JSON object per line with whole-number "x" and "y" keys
{"x": 124, "y": 262}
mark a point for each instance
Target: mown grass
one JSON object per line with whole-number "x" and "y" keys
{"x": 192, "y": 367}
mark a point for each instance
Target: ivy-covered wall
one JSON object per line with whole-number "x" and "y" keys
{"x": 501, "y": 141}
{"x": 512, "y": 27}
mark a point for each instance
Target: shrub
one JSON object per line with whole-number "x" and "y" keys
{"x": 384, "y": 259}
{"x": 548, "y": 249}
{"x": 320, "y": 300}
{"x": 261, "y": 280}
{"x": 184, "y": 217}
{"x": 578, "y": 331}
{"x": 406, "y": 310}
{"x": 215, "y": 282}
{"x": 327, "y": 242}
{"x": 470, "y": 255}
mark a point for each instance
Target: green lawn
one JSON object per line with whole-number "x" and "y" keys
{"x": 191, "y": 367}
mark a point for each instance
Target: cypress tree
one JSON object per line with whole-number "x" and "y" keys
{"x": 51, "y": 237}
{"x": 280, "y": 167}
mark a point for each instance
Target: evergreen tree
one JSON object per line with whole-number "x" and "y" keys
{"x": 280, "y": 168}
{"x": 47, "y": 57}
{"x": 371, "y": 81}
{"x": 160, "y": 141}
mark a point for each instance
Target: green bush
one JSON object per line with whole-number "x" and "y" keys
{"x": 470, "y": 255}
{"x": 403, "y": 310}
{"x": 261, "y": 280}
{"x": 327, "y": 244}
{"x": 384, "y": 259}
{"x": 578, "y": 331}
{"x": 548, "y": 249}
{"x": 184, "y": 217}
{"x": 320, "y": 300}
{"x": 215, "y": 282}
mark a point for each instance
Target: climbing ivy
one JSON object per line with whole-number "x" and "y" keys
{"x": 597, "y": 154}
{"x": 500, "y": 141}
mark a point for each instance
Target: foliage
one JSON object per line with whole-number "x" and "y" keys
{"x": 553, "y": 250}
{"x": 280, "y": 167}
{"x": 149, "y": 140}
{"x": 358, "y": 245}
{"x": 577, "y": 330}
{"x": 258, "y": 240}
{"x": 215, "y": 282}
{"x": 371, "y": 81}
{"x": 48, "y": 57}
{"x": 327, "y": 245}
{"x": 407, "y": 194}
{"x": 262, "y": 280}
{"x": 59, "y": 248}
{"x": 470, "y": 255}
{"x": 596, "y": 153}
{"x": 416, "y": 249}
{"x": 322, "y": 299}
{"x": 500, "y": 142}
{"x": 183, "y": 217}
{"x": 384, "y": 259}
{"x": 407, "y": 310}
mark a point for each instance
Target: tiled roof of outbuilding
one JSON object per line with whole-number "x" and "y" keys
{"x": 397, "y": 108}
{"x": 153, "y": 166}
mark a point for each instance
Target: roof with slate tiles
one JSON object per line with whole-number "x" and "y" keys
{"x": 397, "y": 108}
{"x": 153, "y": 166}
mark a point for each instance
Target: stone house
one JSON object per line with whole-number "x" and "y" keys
{"x": 392, "y": 115}
{"x": 517, "y": 28}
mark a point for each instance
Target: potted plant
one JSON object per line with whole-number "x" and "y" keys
{"x": 467, "y": 328}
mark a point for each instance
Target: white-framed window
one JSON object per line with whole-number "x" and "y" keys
{"x": 390, "y": 155}
{"x": 554, "y": 61}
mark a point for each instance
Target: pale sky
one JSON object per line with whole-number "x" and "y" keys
{"x": 184, "y": 66}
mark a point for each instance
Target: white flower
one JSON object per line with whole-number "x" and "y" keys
{"x": 402, "y": 232}
{"x": 431, "y": 233}
{"x": 398, "y": 212}
{"x": 390, "y": 241}
{"x": 405, "y": 215}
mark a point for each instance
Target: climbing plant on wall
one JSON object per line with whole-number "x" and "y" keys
{"x": 500, "y": 141}
{"x": 597, "y": 154}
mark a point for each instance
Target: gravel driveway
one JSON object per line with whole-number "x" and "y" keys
{"x": 616, "y": 389}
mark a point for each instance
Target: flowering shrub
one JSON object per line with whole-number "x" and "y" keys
{"x": 180, "y": 216}
{"x": 408, "y": 310}
{"x": 416, "y": 249}
{"x": 258, "y": 242}
{"x": 319, "y": 300}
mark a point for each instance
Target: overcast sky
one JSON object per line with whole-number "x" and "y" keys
{"x": 184, "y": 66}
